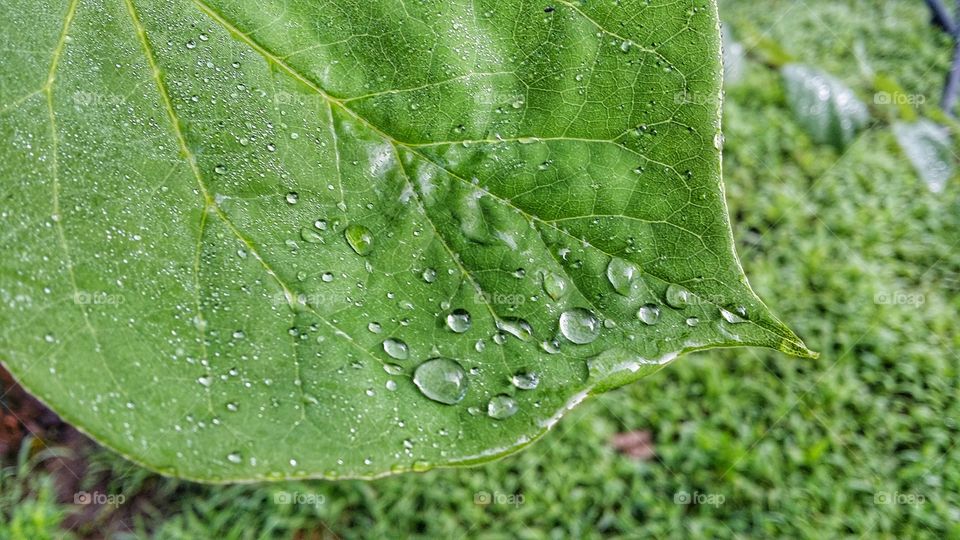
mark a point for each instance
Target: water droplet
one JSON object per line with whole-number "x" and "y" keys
{"x": 360, "y": 239}
{"x": 459, "y": 321}
{"x": 733, "y": 318}
{"x": 551, "y": 347}
{"x": 622, "y": 274}
{"x": 292, "y": 197}
{"x": 232, "y": 407}
{"x": 677, "y": 296}
{"x": 396, "y": 348}
{"x": 391, "y": 385}
{"x": 554, "y": 285}
{"x": 233, "y": 457}
{"x": 374, "y": 327}
{"x": 320, "y": 224}
{"x": 311, "y": 235}
{"x": 502, "y": 406}
{"x": 580, "y": 326}
{"x": 649, "y": 314}
{"x": 429, "y": 275}
{"x": 327, "y": 277}
{"x": 393, "y": 369}
{"x": 205, "y": 380}
{"x": 442, "y": 380}
{"x": 238, "y": 334}
{"x": 517, "y": 328}
{"x": 191, "y": 44}
{"x": 692, "y": 321}
{"x": 525, "y": 380}
{"x": 220, "y": 169}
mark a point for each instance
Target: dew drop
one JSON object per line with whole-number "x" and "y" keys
{"x": 502, "y": 406}
{"x": 442, "y": 380}
{"x": 234, "y": 457}
{"x": 359, "y": 238}
{"x": 677, "y": 296}
{"x": 220, "y": 169}
{"x": 525, "y": 380}
{"x": 692, "y": 321}
{"x": 580, "y": 326}
{"x": 649, "y": 314}
{"x": 429, "y": 275}
{"x": 554, "y": 285}
{"x": 292, "y": 197}
{"x": 396, "y": 348}
{"x": 622, "y": 274}
{"x": 374, "y": 327}
{"x": 310, "y": 235}
{"x": 459, "y": 320}
{"x": 517, "y": 328}
{"x": 733, "y": 318}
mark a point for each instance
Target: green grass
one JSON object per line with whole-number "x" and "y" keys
{"x": 805, "y": 449}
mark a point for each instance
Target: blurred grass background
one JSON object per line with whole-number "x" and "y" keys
{"x": 747, "y": 443}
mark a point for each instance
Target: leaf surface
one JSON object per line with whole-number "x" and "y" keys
{"x": 260, "y": 240}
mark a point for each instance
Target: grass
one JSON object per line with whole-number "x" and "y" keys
{"x": 859, "y": 443}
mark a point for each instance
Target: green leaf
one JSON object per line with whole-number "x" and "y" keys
{"x": 259, "y": 240}
{"x": 826, "y": 108}
{"x": 928, "y": 147}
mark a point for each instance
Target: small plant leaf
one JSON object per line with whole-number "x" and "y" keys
{"x": 264, "y": 240}
{"x": 825, "y": 107}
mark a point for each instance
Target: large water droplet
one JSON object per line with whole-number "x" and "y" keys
{"x": 525, "y": 380}
{"x": 360, "y": 239}
{"x": 677, "y": 296}
{"x": 396, "y": 348}
{"x": 554, "y": 285}
{"x": 442, "y": 380}
{"x": 459, "y": 321}
{"x": 502, "y": 406}
{"x": 429, "y": 275}
{"x": 579, "y": 326}
{"x": 622, "y": 274}
{"x": 649, "y": 314}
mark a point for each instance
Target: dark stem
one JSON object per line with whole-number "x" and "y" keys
{"x": 953, "y": 82}
{"x": 941, "y": 17}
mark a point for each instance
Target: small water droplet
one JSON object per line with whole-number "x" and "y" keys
{"x": 396, "y": 348}
{"x": 692, "y": 321}
{"x": 502, "y": 406}
{"x": 429, "y": 275}
{"x": 525, "y": 380}
{"x": 733, "y": 318}
{"x": 442, "y": 380}
{"x": 677, "y": 296}
{"x": 622, "y": 274}
{"x": 517, "y": 328}
{"x": 359, "y": 238}
{"x": 580, "y": 326}
{"x": 205, "y": 380}
{"x": 555, "y": 285}
{"x": 459, "y": 320}
{"x": 234, "y": 457}
{"x": 310, "y": 235}
{"x": 374, "y": 327}
{"x": 292, "y": 197}
{"x": 393, "y": 369}
{"x": 220, "y": 169}
{"x": 649, "y": 314}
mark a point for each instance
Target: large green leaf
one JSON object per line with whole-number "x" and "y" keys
{"x": 248, "y": 240}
